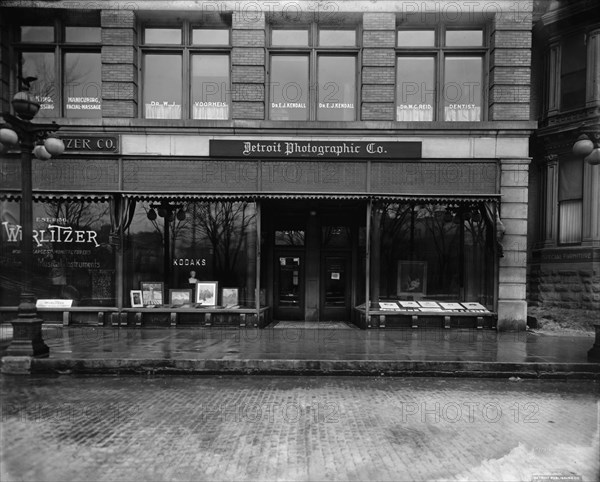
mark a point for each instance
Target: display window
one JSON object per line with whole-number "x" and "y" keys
{"x": 438, "y": 252}
{"x": 206, "y": 247}
{"x": 72, "y": 255}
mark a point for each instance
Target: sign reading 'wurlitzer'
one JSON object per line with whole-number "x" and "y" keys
{"x": 315, "y": 149}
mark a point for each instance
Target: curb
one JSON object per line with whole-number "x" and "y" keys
{"x": 108, "y": 366}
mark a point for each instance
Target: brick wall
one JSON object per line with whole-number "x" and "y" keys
{"x": 248, "y": 66}
{"x": 566, "y": 287}
{"x": 119, "y": 64}
{"x": 378, "y": 75}
{"x": 510, "y": 66}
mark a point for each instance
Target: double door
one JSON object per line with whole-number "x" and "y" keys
{"x": 314, "y": 261}
{"x": 295, "y": 296}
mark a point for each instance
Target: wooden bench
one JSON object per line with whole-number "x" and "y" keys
{"x": 379, "y": 318}
{"x": 100, "y": 314}
{"x": 171, "y": 315}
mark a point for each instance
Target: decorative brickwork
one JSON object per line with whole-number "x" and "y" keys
{"x": 119, "y": 64}
{"x": 248, "y": 66}
{"x": 378, "y": 67}
{"x": 510, "y": 66}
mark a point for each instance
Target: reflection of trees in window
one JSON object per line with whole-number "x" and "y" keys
{"x": 226, "y": 225}
{"x": 222, "y": 226}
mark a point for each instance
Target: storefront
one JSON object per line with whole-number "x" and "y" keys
{"x": 259, "y": 229}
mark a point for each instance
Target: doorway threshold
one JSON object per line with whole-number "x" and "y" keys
{"x": 315, "y": 325}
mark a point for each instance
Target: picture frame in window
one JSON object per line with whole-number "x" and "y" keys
{"x": 230, "y": 297}
{"x": 206, "y": 293}
{"x": 136, "y": 298}
{"x": 412, "y": 278}
{"x": 180, "y": 297}
{"x": 152, "y": 292}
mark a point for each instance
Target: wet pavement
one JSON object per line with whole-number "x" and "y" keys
{"x": 89, "y": 349}
{"x": 85, "y": 342}
{"x": 297, "y": 428}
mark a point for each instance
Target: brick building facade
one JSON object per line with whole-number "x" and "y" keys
{"x": 357, "y": 147}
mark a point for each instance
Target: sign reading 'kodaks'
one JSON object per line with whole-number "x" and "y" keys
{"x": 316, "y": 149}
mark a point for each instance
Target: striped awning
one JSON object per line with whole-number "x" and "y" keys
{"x": 56, "y": 196}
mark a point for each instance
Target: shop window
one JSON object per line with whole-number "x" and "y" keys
{"x": 570, "y": 201}
{"x": 74, "y": 51}
{"x": 318, "y": 56}
{"x": 186, "y": 72}
{"x": 72, "y": 257}
{"x": 439, "y": 74}
{"x": 440, "y": 252}
{"x": 204, "y": 242}
{"x": 572, "y": 72}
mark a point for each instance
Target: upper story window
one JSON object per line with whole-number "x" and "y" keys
{"x": 312, "y": 73}
{"x": 573, "y": 71}
{"x": 186, "y": 71}
{"x": 439, "y": 74}
{"x": 65, "y": 58}
{"x": 570, "y": 200}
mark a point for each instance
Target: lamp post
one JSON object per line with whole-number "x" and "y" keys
{"x": 19, "y": 132}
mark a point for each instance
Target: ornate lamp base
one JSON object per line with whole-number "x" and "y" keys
{"x": 27, "y": 331}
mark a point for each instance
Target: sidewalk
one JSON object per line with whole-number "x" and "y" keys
{"x": 307, "y": 349}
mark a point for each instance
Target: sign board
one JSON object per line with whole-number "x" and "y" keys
{"x": 315, "y": 149}
{"x": 54, "y": 303}
{"x": 91, "y": 144}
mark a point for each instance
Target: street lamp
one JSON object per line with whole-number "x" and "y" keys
{"x": 19, "y": 132}
{"x": 588, "y": 146}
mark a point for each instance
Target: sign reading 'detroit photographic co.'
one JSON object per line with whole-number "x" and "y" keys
{"x": 316, "y": 149}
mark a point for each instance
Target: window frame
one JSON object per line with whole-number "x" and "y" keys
{"x": 559, "y": 71}
{"x": 440, "y": 52}
{"x": 314, "y": 51}
{"x": 186, "y": 49}
{"x": 59, "y": 47}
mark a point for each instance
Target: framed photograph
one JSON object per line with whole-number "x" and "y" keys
{"x": 152, "y": 292}
{"x": 412, "y": 278}
{"x": 206, "y": 293}
{"x": 179, "y": 297}
{"x": 136, "y": 298}
{"x": 229, "y": 297}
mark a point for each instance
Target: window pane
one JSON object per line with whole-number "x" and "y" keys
{"x": 570, "y": 180}
{"x": 41, "y": 65}
{"x": 337, "y": 88}
{"x": 464, "y": 38}
{"x": 83, "y": 88}
{"x": 462, "y": 89}
{"x": 415, "y": 89}
{"x": 289, "y": 237}
{"x": 210, "y": 87}
{"x": 210, "y": 36}
{"x": 289, "y": 87}
{"x": 289, "y": 37}
{"x": 416, "y": 38}
{"x": 570, "y": 222}
{"x": 337, "y": 38}
{"x": 162, "y": 86}
{"x": 37, "y": 34}
{"x": 170, "y": 36}
{"x": 82, "y": 34}
{"x": 72, "y": 258}
{"x": 573, "y": 67}
{"x": 214, "y": 241}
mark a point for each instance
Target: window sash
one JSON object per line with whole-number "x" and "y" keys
{"x": 570, "y": 221}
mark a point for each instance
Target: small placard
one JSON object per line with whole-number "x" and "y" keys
{"x": 54, "y": 303}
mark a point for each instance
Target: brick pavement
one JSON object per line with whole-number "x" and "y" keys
{"x": 296, "y": 428}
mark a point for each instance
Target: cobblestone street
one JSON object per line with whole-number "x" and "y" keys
{"x": 296, "y": 428}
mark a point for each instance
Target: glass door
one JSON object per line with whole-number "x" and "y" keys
{"x": 289, "y": 285}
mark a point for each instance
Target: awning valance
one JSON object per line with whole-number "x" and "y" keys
{"x": 56, "y": 196}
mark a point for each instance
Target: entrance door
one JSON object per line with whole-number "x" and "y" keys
{"x": 288, "y": 296}
{"x": 335, "y": 287}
